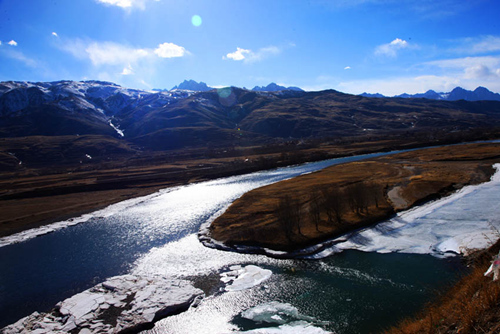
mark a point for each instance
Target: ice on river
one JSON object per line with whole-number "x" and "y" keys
{"x": 466, "y": 220}
{"x": 121, "y": 304}
{"x": 299, "y": 327}
{"x": 288, "y": 317}
{"x": 243, "y": 278}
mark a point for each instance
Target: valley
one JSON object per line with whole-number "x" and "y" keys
{"x": 67, "y": 147}
{"x": 146, "y": 171}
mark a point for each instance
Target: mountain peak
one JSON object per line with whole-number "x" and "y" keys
{"x": 193, "y": 85}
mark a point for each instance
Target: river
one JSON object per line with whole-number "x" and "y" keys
{"x": 352, "y": 292}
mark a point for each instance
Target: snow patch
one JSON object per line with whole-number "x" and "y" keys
{"x": 120, "y": 132}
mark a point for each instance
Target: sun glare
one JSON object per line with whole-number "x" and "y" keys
{"x": 196, "y": 20}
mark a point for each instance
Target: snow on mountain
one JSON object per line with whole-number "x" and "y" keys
{"x": 99, "y": 96}
{"x": 76, "y": 106}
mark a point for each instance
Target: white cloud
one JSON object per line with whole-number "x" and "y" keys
{"x": 119, "y": 3}
{"x": 347, "y": 68}
{"x": 0, "y": 42}
{"x": 239, "y": 54}
{"x": 170, "y": 50}
{"x": 55, "y": 34}
{"x": 249, "y": 56}
{"x": 477, "y": 45}
{"x": 127, "y": 70}
{"x": 391, "y": 49}
{"x": 486, "y": 44}
{"x": 487, "y": 67}
{"x": 462, "y": 63}
{"x": 125, "y": 4}
{"x": 109, "y": 61}
{"x": 109, "y": 53}
{"x": 481, "y": 71}
{"x": 12, "y": 43}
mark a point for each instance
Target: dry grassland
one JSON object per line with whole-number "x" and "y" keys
{"x": 405, "y": 179}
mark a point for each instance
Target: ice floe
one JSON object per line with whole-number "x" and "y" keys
{"x": 276, "y": 313}
{"x": 288, "y": 317}
{"x": 299, "y": 327}
{"x": 121, "y": 303}
{"x": 242, "y": 278}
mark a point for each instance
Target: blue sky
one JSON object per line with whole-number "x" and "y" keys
{"x": 386, "y": 46}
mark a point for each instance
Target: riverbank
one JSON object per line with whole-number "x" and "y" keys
{"x": 384, "y": 186}
{"x": 35, "y": 197}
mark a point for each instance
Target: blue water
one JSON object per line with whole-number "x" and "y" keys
{"x": 157, "y": 236}
{"x": 349, "y": 293}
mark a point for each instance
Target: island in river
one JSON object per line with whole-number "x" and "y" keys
{"x": 306, "y": 210}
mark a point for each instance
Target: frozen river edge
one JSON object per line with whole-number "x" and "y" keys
{"x": 419, "y": 230}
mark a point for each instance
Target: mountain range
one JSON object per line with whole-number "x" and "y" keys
{"x": 272, "y": 87}
{"x": 202, "y": 87}
{"x": 99, "y": 118}
{"x": 479, "y": 94}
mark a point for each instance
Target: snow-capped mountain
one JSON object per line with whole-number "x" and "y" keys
{"x": 185, "y": 118}
{"x": 70, "y": 106}
{"x": 72, "y": 122}
{"x": 479, "y": 94}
